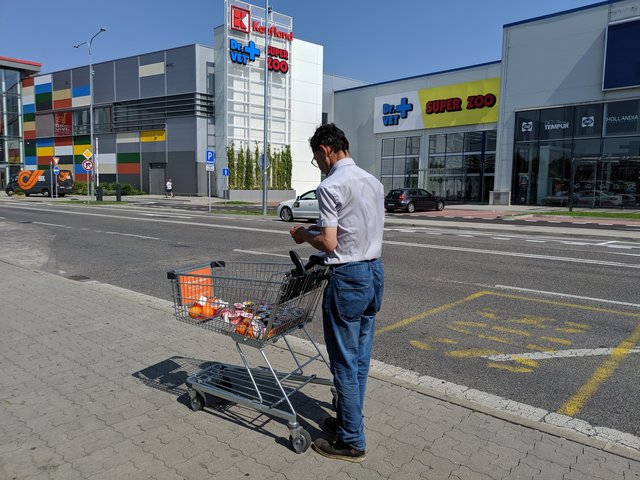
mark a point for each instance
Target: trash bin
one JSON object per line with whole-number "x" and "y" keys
{"x": 118, "y": 192}
{"x": 99, "y": 194}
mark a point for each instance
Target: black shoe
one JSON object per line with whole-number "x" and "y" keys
{"x": 338, "y": 450}
{"x": 330, "y": 425}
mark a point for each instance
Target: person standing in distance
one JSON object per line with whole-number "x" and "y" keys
{"x": 349, "y": 232}
{"x": 168, "y": 189}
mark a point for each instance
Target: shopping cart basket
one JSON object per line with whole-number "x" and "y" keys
{"x": 256, "y": 304}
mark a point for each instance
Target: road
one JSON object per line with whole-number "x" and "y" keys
{"x": 552, "y": 321}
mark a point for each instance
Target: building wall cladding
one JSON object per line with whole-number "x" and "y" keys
{"x": 142, "y": 101}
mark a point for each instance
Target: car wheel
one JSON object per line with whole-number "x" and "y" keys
{"x": 45, "y": 192}
{"x": 440, "y": 205}
{"x": 286, "y": 214}
{"x": 9, "y": 192}
{"x": 411, "y": 207}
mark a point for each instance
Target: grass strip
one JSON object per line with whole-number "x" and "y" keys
{"x": 566, "y": 213}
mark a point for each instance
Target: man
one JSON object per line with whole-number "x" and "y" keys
{"x": 168, "y": 189}
{"x": 349, "y": 231}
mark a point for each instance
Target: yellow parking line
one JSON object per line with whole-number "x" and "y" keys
{"x": 569, "y": 330}
{"x": 563, "y": 304}
{"x": 509, "y": 368}
{"x": 469, "y": 324}
{"x": 538, "y": 348}
{"x": 560, "y": 341}
{"x": 514, "y": 331}
{"x": 420, "y": 345}
{"x": 472, "y": 353}
{"x": 574, "y": 405}
{"x": 494, "y": 338}
{"x": 420, "y": 316}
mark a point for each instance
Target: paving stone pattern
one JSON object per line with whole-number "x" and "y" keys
{"x": 93, "y": 388}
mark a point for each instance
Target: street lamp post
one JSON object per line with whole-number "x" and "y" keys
{"x": 88, "y": 44}
{"x": 267, "y": 11}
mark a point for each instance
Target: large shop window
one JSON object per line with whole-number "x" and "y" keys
{"x": 593, "y": 148}
{"x": 399, "y": 166}
{"x": 460, "y": 166}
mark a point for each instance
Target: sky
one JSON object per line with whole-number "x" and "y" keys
{"x": 373, "y": 41}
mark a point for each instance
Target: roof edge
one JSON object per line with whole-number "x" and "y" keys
{"x": 421, "y": 75}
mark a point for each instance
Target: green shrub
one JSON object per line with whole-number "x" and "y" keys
{"x": 108, "y": 188}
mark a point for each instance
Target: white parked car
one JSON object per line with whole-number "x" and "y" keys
{"x": 304, "y": 206}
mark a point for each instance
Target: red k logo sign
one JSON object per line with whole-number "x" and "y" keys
{"x": 240, "y": 19}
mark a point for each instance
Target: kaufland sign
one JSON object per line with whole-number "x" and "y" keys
{"x": 240, "y": 21}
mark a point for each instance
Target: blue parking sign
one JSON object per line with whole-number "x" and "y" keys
{"x": 211, "y": 156}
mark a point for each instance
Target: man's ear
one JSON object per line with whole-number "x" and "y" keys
{"x": 325, "y": 150}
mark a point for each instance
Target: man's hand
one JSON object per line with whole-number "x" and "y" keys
{"x": 297, "y": 232}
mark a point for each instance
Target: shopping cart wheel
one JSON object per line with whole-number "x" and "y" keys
{"x": 301, "y": 441}
{"x": 196, "y": 402}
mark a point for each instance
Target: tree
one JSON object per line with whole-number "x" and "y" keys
{"x": 287, "y": 166}
{"x": 248, "y": 170}
{"x": 231, "y": 165}
{"x": 240, "y": 169}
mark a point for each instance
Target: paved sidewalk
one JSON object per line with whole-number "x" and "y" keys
{"x": 93, "y": 388}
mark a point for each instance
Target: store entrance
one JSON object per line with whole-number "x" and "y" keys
{"x": 611, "y": 182}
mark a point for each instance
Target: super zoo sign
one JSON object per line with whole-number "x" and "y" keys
{"x": 460, "y": 104}
{"x": 243, "y": 54}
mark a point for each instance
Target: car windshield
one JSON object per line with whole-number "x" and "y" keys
{"x": 395, "y": 193}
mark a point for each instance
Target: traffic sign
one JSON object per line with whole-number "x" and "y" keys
{"x": 87, "y": 165}
{"x": 211, "y": 157}
{"x": 56, "y": 170}
{"x": 87, "y": 154}
{"x": 225, "y": 172}
{"x": 211, "y": 167}
{"x": 261, "y": 162}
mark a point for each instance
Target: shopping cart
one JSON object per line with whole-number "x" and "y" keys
{"x": 256, "y": 304}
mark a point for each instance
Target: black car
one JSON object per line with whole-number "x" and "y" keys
{"x": 412, "y": 199}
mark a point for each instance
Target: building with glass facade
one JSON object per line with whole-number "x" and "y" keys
{"x": 570, "y": 108}
{"x": 158, "y": 115}
{"x": 556, "y": 119}
{"x": 12, "y": 71}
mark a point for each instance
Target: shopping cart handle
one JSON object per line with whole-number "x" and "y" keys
{"x": 300, "y": 268}
{"x": 297, "y": 261}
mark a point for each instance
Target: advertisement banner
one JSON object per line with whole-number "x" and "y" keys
{"x": 461, "y": 104}
{"x": 466, "y": 103}
{"x": 62, "y": 124}
{"x": 397, "y": 113}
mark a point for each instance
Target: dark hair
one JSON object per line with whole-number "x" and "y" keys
{"x": 330, "y": 136}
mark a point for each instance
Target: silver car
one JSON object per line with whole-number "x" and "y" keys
{"x": 304, "y": 206}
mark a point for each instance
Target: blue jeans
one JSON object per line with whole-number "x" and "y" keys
{"x": 351, "y": 300}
